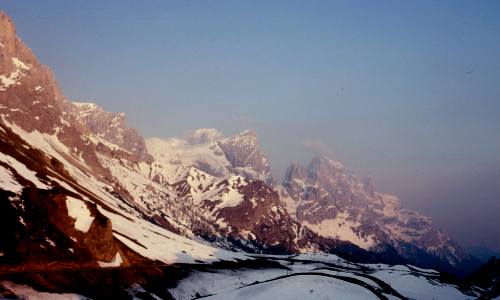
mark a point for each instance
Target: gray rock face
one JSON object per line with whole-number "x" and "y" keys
{"x": 111, "y": 127}
{"x": 243, "y": 152}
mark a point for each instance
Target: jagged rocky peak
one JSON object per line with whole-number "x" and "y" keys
{"x": 320, "y": 169}
{"x": 99, "y": 120}
{"x": 18, "y": 63}
{"x": 204, "y": 135}
{"x": 243, "y": 152}
{"x": 10, "y": 42}
{"x": 369, "y": 185}
{"x": 110, "y": 127}
{"x": 294, "y": 171}
{"x": 8, "y": 31}
{"x": 27, "y": 88}
{"x": 322, "y": 166}
{"x": 335, "y": 203}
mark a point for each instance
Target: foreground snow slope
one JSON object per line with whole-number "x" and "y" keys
{"x": 305, "y": 276}
{"x": 319, "y": 276}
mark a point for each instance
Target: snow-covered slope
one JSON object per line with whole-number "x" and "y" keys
{"x": 319, "y": 276}
{"x": 86, "y": 199}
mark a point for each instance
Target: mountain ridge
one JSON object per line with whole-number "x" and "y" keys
{"x": 119, "y": 154}
{"x": 80, "y": 189}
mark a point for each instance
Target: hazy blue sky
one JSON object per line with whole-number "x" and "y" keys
{"x": 405, "y": 91}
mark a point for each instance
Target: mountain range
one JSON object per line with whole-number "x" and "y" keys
{"x": 82, "y": 191}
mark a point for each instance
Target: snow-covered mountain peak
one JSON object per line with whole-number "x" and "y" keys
{"x": 204, "y": 135}
{"x": 248, "y": 138}
{"x": 295, "y": 171}
{"x": 175, "y": 153}
{"x": 206, "y": 150}
{"x": 322, "y": 163}
{"x": 243, "y": 152}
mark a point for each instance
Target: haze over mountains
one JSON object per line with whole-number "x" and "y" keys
{"x": 81, "y": 191}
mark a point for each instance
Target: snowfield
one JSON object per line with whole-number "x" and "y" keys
{"x": 342, "y": 229}
{"x": 318, "y": 276}
{"x": 300, "y": 287}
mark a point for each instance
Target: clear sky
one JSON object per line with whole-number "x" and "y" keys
{"x": 405, "y": 91}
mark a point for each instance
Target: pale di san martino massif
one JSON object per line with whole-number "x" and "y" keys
{"x": 92, "y": 209}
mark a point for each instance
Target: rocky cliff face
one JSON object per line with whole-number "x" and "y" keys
{"x": 109, "y": 130}
{"x": 243, "y": 152}
{"x": 29, "y": 94}
{"x": 248, "y": 213}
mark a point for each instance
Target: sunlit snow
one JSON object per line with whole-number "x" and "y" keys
{"x": 78, "y": 210}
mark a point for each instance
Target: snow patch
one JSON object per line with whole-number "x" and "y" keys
{"x": 13, "y": 78}
{"x": 86, "y": 105}
{"x": 19, "y": 64}
{"x": 343, "y": 229}
{"x": 23, "y": 171}
{"x": 50, "y": 242}
{"x": 230, "y": 198}
{"x": 63, "y": 184}
{"x": 78, "y": 210}
{"x": 7, "y": 181}
{"x": 115, "y": 262}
